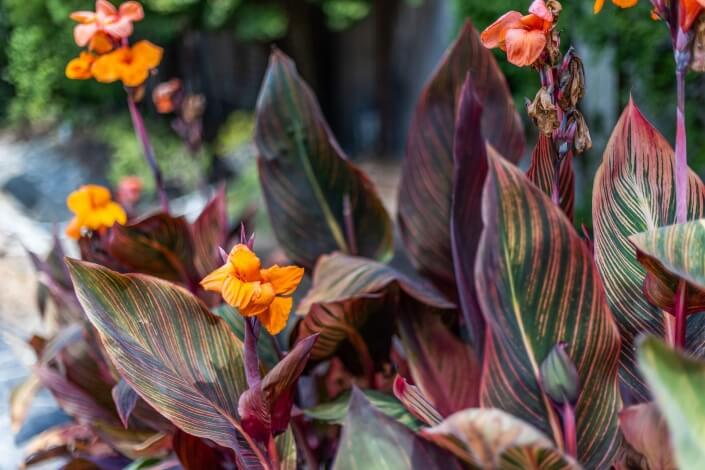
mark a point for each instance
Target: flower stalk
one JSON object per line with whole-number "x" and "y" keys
{"x": 143, "y": 137}
{"x": 251, "y": 355}
{"x": 570, "y": 439}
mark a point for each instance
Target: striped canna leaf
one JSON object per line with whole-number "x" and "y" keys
{"x": 427, "y": 173}
{"x": 371, "y": 440}
{"x": 351, "y": 293}
{"x": 634, "y": 192}
{"x": 542, "y": 169}
{"x": 491, "y": 438}
{"x": 180, "y": 358}
{"x": 538, "y": 286}
{"x": 317, "y": 200}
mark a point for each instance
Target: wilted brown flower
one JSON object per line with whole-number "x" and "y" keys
{"x": 543, "y": 111}
{"x": 571, "y": 82}
{"x": 583, "y": 141}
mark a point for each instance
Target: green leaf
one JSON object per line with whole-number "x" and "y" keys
{"x": 634, "y": 192}
{"x": 335, "y": 411}
{"x": 286, "y": 446}
{"x": 538, "y": 286}
{"x": 677, "y": 383}
{"x": 372, "y": 440}
{"x": 350, "y": 300}
{"x": 168, "y": 347}
{"x": 317, "y": 200}
{"x": 427, "y": 173}
{"x": 491, "y": 438}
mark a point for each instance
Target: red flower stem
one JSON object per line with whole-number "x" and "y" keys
{"x": 143, "y": 137}
{"x": 546, "y": 75}
{"x": 300, "y": 437}
{"x": 273, "y": 453}
{"x": 251, "y": 357}
{"x": 569, "y": 430}
{"x": 681, "y": 318}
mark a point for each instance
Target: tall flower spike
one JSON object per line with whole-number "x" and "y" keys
{"x": 93, "y": 209}
{"x": 263, "y": 293}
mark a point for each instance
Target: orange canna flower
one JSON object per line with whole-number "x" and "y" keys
{"x": 165, "y": 96}
{"x": 264, "y": 293}
{"x": 522, "y": 37}
{"x": 107, "y": 19}
{"x": 101, "y": 43}
{"x": 131, "y": 65}
{"x": 80, "y": 67}
{"x": 93, "y": 209}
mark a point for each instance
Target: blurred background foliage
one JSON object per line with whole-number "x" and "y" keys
{"x": 35, "y": 95}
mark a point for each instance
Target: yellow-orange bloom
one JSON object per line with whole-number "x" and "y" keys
{"x": 80, "y": 67}
{"x": 264, "y": 293}
{"x": 93, "y": 209}
{"x": 523, "y": 37}
{"x": 131, "y": 65}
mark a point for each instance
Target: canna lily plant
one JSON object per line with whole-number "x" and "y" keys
{"x": 517, "y": 342}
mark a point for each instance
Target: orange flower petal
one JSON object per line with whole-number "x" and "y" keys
{"x": 82, "y": 33}
{"x": 492, "y": 36}
{"x": 284, "y": 280}
{"x": 625, "y": 3}
{"x": 148, "y": 54}
{"x": 108, "y": 68}
{"x": 80, "y": 67}
{"x": 79, "y": 201}
{"x": 275, "y": 318}
{"x": 597, "y": 8}
{"x": 524, "y": 47}
{"x": 238, "y": 293}
{"x": 538, "y": 8}
{"x": 132, "y": 11}
{"x": 134, "y": 75}
{"x": 101, "y": 43}
{"x": 73, "y": 229}
{"x": 105, "y": 8}
{"x": 246, "y": 263}
{"x": 83, "y": 16}
{"x": 215, "y": 280}
{"x": 260, "y": 300}
{"x": 689, "y": 12}
{"x": 120, "y": 28}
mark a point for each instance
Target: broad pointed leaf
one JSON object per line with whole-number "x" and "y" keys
{"x": 195, "y": 453}
{"x": 538, "y": 286}
{"x": 350, "y": 292}
{"x": 335, "y": 411}
{"x": 371, "y": 439}
{"x": 21, "y": 399}
{"x": 644, "y": 428}
{"x": 427, "y": 173}
{"x": 317, "y": 200}
{"x": 210, "y": 232}
{"x": 159, "y": 245}
{"x": 634, "y": 192}
{"x": 670, "y": 254}
{"x": 677, "y": 383}
{"x": 415, "y": 401}
{"x": 168, "y": 347}
{"x": 444, "y": 367}
{"x": 542, "y": 170}
{"x": 265, "y": 409}
{"x": 125, "y": 399}
{"x": 491, "y": 438}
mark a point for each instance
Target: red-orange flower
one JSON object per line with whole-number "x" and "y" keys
{"x": 522, "y": 37}
{"x": 264, "y": 293}
{"x": 165, "y": 94}
{"x": 131, "y": 65}
{"x": 80, "y": 67}
{"x": 93, "y": 209}
{"x": 106, "y": 18}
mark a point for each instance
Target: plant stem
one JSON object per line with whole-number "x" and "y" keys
{"x": 681, "y": 166}
{"x": 251, "y": 357}
{"x": 681, "y": 318}
{"x": 143, "y": 137}
{"x": 569, "y": 430}
{"x": 273, "y": 453}
{"x": 308, "y": 454}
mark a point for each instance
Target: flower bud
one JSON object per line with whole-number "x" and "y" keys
{"x": 583, "y": 141}
{"x": 543, "y": 112}
{"x": 571, "y": 81}
{"x": 559, "y": 377}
